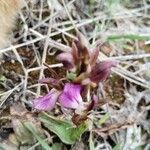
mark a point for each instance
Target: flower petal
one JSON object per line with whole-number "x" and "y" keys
{"x": 70, "y": 97}
{"x": 46, "y": 102}
{"x": 94, "y": 56}
{"x": 101, "y": 71}
{"x": 55, "y": 83}
{"x": 75, "y": 53}
{"x": 83, "y": 40}
{"x": 66, "y": 59}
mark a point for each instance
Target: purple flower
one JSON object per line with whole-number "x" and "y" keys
{"x": 70, "y": 97}
{"x": 46, "y": 102}
{"x": 66, "y": 59}
{"x": 101, "y": 71}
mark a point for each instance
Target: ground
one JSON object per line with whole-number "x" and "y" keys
{"x": 121, "y": 28}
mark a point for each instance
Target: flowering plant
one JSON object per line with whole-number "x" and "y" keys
{"x": 84, "y": 72}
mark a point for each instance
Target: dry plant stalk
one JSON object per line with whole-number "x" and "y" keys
{"x": 8, "y": 12}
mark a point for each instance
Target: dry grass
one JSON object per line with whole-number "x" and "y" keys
{"x": 44, "y": 28}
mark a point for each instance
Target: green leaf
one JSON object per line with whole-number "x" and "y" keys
{"x": 139, "y": 148}
{"x": 32, "y": 129}
{"x": 2, "y": 78}
{"x": 57, "y": 146}
{"x": 128, "y": 36}
{"x": 117, "y": 147}
{"x": 112, "y": 3}
{"x": 1, "y": 147}
{"x": 71, "y": 75}
{"x": 104, "y": 119}
{"x": 91, "y": 143}
{"x": 63, "y": 129}
{"x": 92, "y": 2}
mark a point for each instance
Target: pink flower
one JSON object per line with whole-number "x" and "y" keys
{"x": 66, "y": 59}
{"x": 46, "y": 102}
{"x": 101, "y": 71}
{"x": 70, "y": 97}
